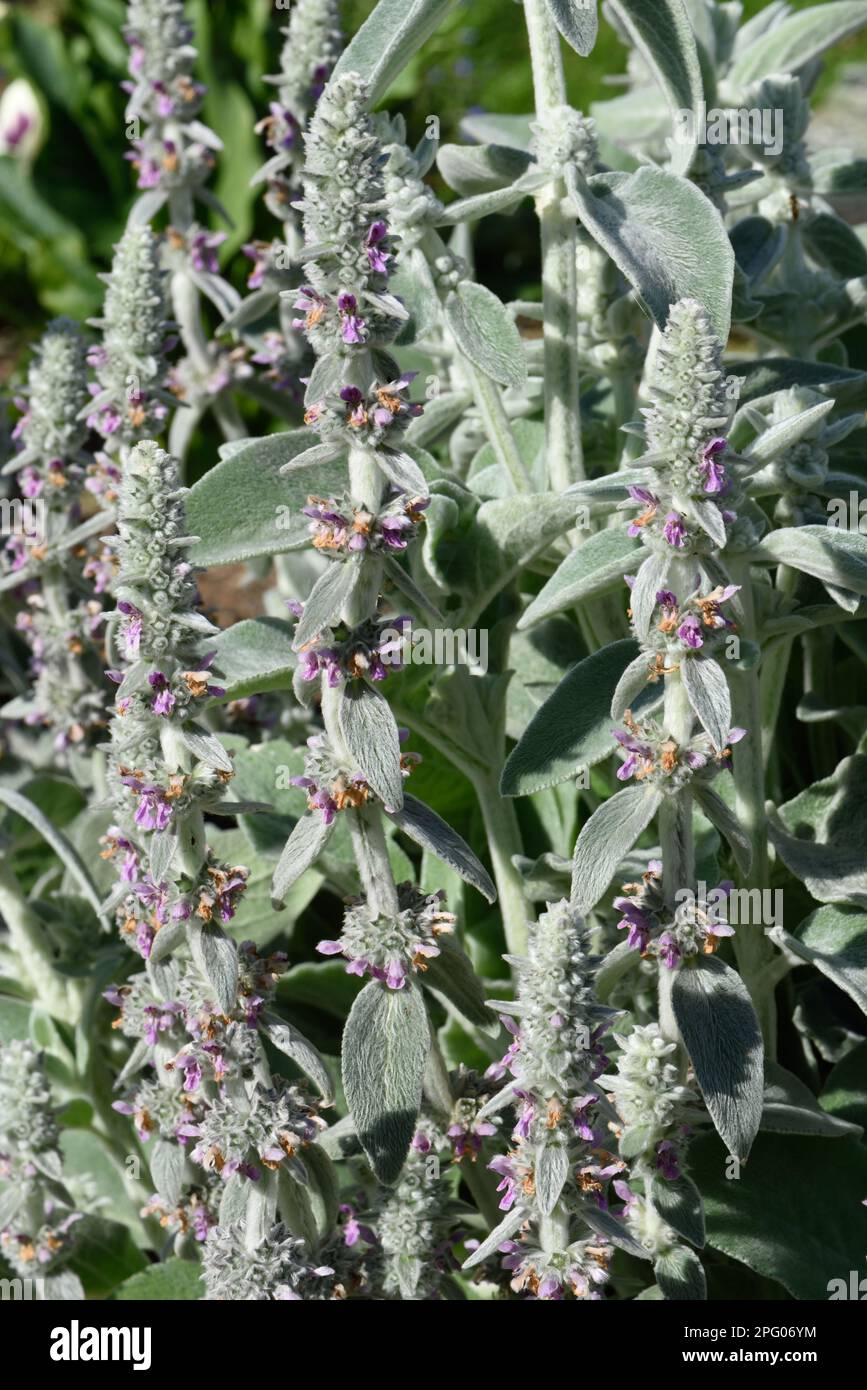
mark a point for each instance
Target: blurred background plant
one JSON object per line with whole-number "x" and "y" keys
{"x": 65, "y": 192}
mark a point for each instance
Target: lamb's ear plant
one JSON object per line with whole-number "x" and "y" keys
{"x": 529, "y": 804}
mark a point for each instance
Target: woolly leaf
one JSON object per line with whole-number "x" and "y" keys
{"x": 369, "y": 731}
{"x": 431, "y": 832}
{"x": 385, "y": 1049}
{"x": 309, "y": 837}
{"x": 592, "y": 569}
{"x": 719, "y": 1027}
{"x": 578, "y": 22}
{"x": 679, "y": 1274}
{"x": 606, "y": 838}
{"x": 663, "y": 35}
{"x": 385, "y": 43}
{"x": 486, "y": 334}
{"x": 216, "y": 956}
{"x": 708, "y": 693}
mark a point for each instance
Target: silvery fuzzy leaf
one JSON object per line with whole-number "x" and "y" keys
{"x": 506, "y": 1229}
{"x": 606, "y": 838}
{"x": 472, "y": 169}
{"x": 515, "y": 132}
{"x": 451, "y": 976}
{"x": 327, "y": 375}
{"x": 169, "y": 937}
{"x": 161, "y": 852}
{"x": 293, "y": 1203}
{"x": 572, "y": 729}
{"x": 56, "y": 840}
{"x": 781, "y": 436}
{"x": 593, "y": 568}
{"x": 11, "y": 1201}
{"x": 197, "y": 622}
{"x": 206, "y": 747}
{"x": 726, "y": 822}
{"x": 387, "y": 304}
{"x": 710, "y": 519}
{"x": 402, "y": 471}
{"x": 796, "y": 40}
{"x": 288, "y": 1040}
{"x": 309, "y": 837}
{"x": 757, "y": 245}
{"x": 663, "y": 35}
{"x": 679, "y": 1275}
{"x": 327, "y": 599}
{"x": 385, "y": 1048}
{"x": 721, "y": 1033}
{"x": 651, "y": 577}
{"x": 550, "y": 1173}
{"x": 837, "y": 557}
{"x": 146, "y": 207}
{"x": 314, "y": 457}
{"x": 844, "y": 598}
{"x": 166, "y": 1161}
{"x": 618, "y": 962}
{"x": 369, "y": 730}
{"x": 64, "y": 1287}
{"x": 679, "y": 1203}
{"x": 499, "y": 200}
{"x": 433, "y": 834}
{"x": 255, "y": 307}
{"x": 216, "y": 956}
{"x": 387, "y": 40}
{"x": 139, "y": 1056}
{"x": 486, "y": 333}
{"x": 611, "y": 487}
{"x": 233, "y": 1200}
{"x": 254, "y": 655}
{"x": 631, "y": 684}
{"x": 708, "y": 693}
{"x": 224, "y": 297}
{"x": 613, "y": 1229}
{"x": 664, "y": 235}
{"x": 791, "y": 1108}
{"x": 834, "y": 940}
{"x": 578, "y": 22}
{"x": 418, "y": 600}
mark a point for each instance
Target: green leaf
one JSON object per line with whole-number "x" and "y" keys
{"x": 288, "y": 1040}
{"x": 253, "y": 656}
{"x": 596, "y": 566}
{"x": 791, "y": 1108}
{"x": 678, "y": 1202}
{"x": 769, "y": 1218}
{"x": 572, "y": 729}
{"x": 820, "y": 834}
{"x": 719, "y": 1027}
{"x": 726, "y": 822}
{"x": 665, "y": 236}
{"x": 243, "y": 507}
{"x": 798, "y": 39}
{"x": 679, "y": 1274}
{"x": 845, "y": 1093}
{"x": 433, "y": 834}
{"x": 369, "y": 730}
{"x": 486, "y": 333}
{"x": 606, "y": 838}
{"x": 662, "y": 33}
{"x": 327, "y": 599}
{"x": 708, "y": 693}
{"x": 834, "y": 939}
{"x": 472, "y": 169}
{"x": 175, "y": 1280}
{"x": 104, "y": 1255}
{"x": 66, "y": 853}
{"x": 388, "y": 39}
{"x": 385, "y": 1049}
{"x": 309, "y": 837}
{"x": 578, "y": 22}
{"x": 828, "y": 553}
{"x": 451, "y": 975}
{"x": 215, "y": 954}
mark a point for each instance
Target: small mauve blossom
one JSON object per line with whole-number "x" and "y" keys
{"x": 635, "y": 921}
{"x": 154, "y": 809}
{"x": 639, "y": 760}
{"x": 377, "y": 258}
{"x": 689, "y": 632}
{"x": 353, "y": 329}
{"x": 666, "y": 1160}
{"x": 668, "y": 950}
{"x": 164, "y": 700}
{"x": 651, "y": 507}
{"x": 674, "y": 530}
{"x": 714, "y": 472}
{"x": 131, "y": 629}
{"x": 203, "y": 251}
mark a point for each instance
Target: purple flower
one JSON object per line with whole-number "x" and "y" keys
{"x": 635, "y": 921}
{"x": 505, "y": 1166}
{"x": 203, "y": 251}
{"x": 154, "y": 809}
{"x": 651, "y": 506}
{"x": 131, "y": 629}
{"x": 377, "y": 258}
{"x": 164, "y": 699}
{"x": 714, "y": 472}
{"x": 639, "y": 761}
{"x": 666, "y": 1160}
{"x": 689, "y": 632}
{"x": 352, "y": 324}
{"x": 669, "y": 953}
{"x": 674, "y": 530}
